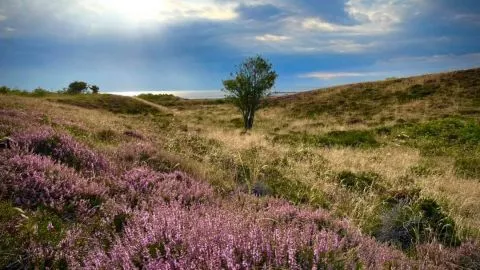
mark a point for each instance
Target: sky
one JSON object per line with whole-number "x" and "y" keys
{"x": 139, "y": 45}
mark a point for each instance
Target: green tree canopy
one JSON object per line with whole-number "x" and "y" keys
{"x": 94, "y": 89}
{"x": 252, "y": 82}
{"x": 77, "y": 87}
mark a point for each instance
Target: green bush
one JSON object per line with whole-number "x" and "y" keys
{"x": 106, "y": 135}
{"x": 448, "y": 136}
{"x": 276, "y": 184}
{"x": 351, "y": 138}
{"x": 416, "y": 91}
{"x": 360, "y": 182}
{"x": 40, "y": 92}
{"x": 4, "y": 90}
{"x": 409, "y": 223}
{"x": 468, "y": 167}
{"x": 162, "y": 99}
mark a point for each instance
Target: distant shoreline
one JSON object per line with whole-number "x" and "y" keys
{"x": 207, "y": 94}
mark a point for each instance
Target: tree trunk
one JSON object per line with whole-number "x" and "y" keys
{"x": 248, "y": 119}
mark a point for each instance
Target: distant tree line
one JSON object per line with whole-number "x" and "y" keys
{"x": 74, "y": 88}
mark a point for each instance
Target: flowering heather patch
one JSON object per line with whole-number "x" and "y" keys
{"x": 144, "y": 184}
{"x": 62, "y": 148}
{"x": 154, "y": 220}
{"x": 31, "y": 180}
{"x": 226, "y": 235}
{"x": 135, "y": 154}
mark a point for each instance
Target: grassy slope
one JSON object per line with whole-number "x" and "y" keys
{"x": 298, "y": 137}
{"x": 296, "y": 150}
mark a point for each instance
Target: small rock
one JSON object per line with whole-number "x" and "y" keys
{"x": 6, "y": 143}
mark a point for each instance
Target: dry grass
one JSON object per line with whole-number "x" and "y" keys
{"x": 206, "y": 140}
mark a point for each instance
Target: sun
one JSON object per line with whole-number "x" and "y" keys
{"x": 136, "y": 10}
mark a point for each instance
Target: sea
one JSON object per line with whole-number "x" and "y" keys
{"x": 198, "y": 94}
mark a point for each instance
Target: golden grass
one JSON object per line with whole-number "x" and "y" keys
{"x": 226, "y": 147}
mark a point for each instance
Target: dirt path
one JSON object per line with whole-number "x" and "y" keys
{"x": 159, "y": 107}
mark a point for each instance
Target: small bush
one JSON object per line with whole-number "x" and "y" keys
{"x": 407, "y": 224}
{"x": 352, "y": 138}
{"x": 40, "y": 92}
{"x": 134, "y": 134}
{"x": 4, "y": 90}
{"x": 417, "y": 91}
{"x": 272, "y": 181}
{"x": 33, "y": 180}
{"x": 359, "y": 182}
{"x": 468, "y": 167}
{"x": 106, "y": 135}
{"x": 62, "y": 148}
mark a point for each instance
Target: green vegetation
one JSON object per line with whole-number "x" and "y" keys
{"x": 112, "y": 103}
{"x": 250, "y": 84}
{"x": 161, "y": 99}
{"x": 351, "y": 138}
{"x": 360, "y": 182}
{"x": 398, "y": 158}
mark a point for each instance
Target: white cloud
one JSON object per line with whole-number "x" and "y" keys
{"x": 9, "y": 29}
{"x": 334, "y": 75}
{"x": 373, "y": 17}
{"x": 402, "y": 67}
{"x": 165, "y": 10}
{"x": 272, "y": 38}
{"x": 2, "y": 17}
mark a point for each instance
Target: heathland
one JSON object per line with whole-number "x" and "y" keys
{"x": 378, "y": 175}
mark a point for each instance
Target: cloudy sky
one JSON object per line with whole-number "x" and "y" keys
{"x": 126, "y": 45}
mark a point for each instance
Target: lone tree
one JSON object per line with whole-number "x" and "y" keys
{"x": 249, "y": 85}
{"x": 77, "y": 87}
{"x": 94, "y": 89}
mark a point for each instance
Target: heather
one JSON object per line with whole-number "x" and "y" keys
{"x": 379, "y": 175}
{"x": 168, "y": 220}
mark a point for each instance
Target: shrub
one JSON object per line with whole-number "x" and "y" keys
{"x": 410, "y": 223}
{"x": 417, "y": 91}
{"x": 77, "y": 87}
{"x": 40, "y": 92}
{"x": 62, "y": 148}
{"x": 33, "y": 180}
{"x": 360, "y": 182}
{"x": 106, "y": 135}
{"x": 444, "y": 134}
{"x": 274, "y": 183}
{"x": 352, "y": 138}
{"x": 4, "y": 90}
{"x": 468, "y": 167}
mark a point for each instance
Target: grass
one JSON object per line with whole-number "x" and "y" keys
{"x": 112, "y": 103}
{"x": 368, "y": 152}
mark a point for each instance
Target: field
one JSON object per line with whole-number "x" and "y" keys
{"x": 380, "y": 175}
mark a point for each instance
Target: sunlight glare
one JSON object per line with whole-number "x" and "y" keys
{"x": 136, "y": 10}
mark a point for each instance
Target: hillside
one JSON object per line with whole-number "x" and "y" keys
{"x": 380, "y": 175}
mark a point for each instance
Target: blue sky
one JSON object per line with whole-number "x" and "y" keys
{"x": 135, "y": 45}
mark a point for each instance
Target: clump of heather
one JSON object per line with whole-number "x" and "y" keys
{"x": 31, "y": 180}
{"x": 135, "y": 154}
{"x": 62, "y": 148}
{"x": 185, "y": 231}
{"x": 142, "y": 184}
